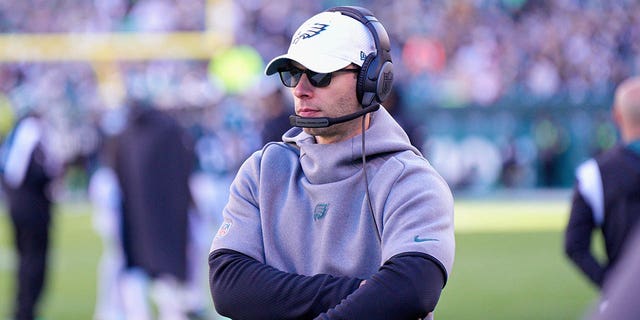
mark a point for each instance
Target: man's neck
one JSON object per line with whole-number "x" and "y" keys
{"x": 357, "y": 129}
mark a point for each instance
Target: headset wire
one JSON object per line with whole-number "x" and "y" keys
{"x": 366, "y": 181}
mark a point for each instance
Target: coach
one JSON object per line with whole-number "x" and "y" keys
{"x": 343, "y": 218}
{"x": 607, "y": 191}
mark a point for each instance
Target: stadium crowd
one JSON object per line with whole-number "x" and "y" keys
{"x": 448, "y": 54}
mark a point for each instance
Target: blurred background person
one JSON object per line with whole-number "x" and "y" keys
{"x": 106, "y": 199}
{"x": 29, "y": 170}
{"x": 395, "y": 105}
{"x": 607, "y": 192}
{"x": 278, "y": 107}
{"x": 153, "y": 162}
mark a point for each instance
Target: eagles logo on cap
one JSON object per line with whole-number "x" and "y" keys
{"x": 313, "y": 31}
{"x": 327, "y": 42}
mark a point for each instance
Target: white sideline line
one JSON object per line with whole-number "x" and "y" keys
{"x": 7, "y": 259}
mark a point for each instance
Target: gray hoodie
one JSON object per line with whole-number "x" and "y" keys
{"x": 301, "y": 207}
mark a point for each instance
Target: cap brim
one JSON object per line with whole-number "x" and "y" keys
{"x": 315, "y": 62}
{"x": 276, "y": 63}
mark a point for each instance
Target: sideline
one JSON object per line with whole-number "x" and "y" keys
{"x": 512, "y": 211}
{"x": 7, "y": 259}
{"x": 494, "y": 211}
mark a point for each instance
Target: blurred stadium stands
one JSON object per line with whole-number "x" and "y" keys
{"x": 510, "y": 93}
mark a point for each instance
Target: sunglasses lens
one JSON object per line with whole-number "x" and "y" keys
{"x": 319, "y": 79}
{"x": 290, "y": 77}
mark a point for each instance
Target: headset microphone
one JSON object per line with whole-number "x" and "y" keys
{"x": 323, "y": 122}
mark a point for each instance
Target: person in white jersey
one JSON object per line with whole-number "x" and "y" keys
{"x": 343, "y": 218}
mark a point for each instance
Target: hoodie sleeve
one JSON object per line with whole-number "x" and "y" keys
{"x": 416, "y": 208}
{"x": 243, "y": 288}
{"x": 407, "y": 286}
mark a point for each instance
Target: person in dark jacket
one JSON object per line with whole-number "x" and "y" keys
{"x": 607, "y": 192}
{"x": 154, "y": 160}
{"x": 29, "y": 167}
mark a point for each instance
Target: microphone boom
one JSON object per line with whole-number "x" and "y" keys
{"x": 323, "y": 122}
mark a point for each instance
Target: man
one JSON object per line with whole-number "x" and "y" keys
{"x": 153, "y": 162}
{"x": 607, "y": 191}
{"x": 323, "y": 224}
{"x": 29, "y": 168}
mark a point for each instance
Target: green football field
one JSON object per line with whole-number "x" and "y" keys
{"x": 509, "y": 264}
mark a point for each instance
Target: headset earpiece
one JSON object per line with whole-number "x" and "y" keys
{"x": 376, "y": 82}
{"x": 384, "y": 81}
{"x": 362, "y": 93}
{"x": 376, "y": 75}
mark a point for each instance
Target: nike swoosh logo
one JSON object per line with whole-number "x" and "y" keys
{"x": 418, "y": 239}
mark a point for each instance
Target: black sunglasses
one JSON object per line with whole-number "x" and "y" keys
{"x": 291, "y": 75}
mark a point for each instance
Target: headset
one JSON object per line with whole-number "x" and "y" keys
{"x": 375, "y": 78}
{"x": 376, "y": 75}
